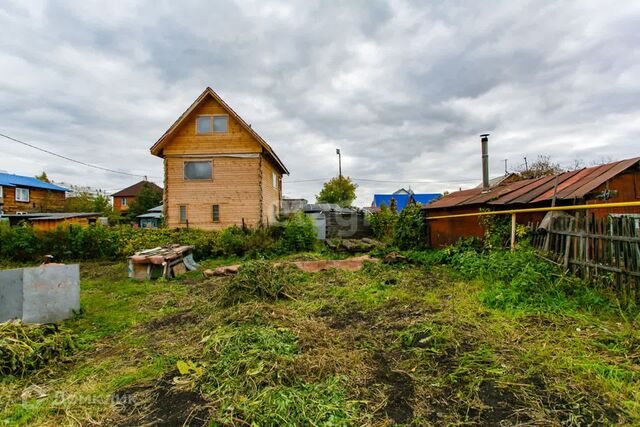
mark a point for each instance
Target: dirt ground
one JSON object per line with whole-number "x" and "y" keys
{"x": 406, "y": 345}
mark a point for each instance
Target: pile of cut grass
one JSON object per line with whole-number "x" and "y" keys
{"x": 250, "y": 373}
{"x": 25, "y": 348}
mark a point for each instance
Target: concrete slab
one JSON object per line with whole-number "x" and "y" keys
{"x": 44, "y": 294}
{"x": 10, "y": 294}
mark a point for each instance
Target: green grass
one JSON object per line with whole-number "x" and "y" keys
{"x": 387, "y": 344}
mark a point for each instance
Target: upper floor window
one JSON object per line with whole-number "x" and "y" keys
{"x": 212, "y": 124}
{"x": 274, "y": 179}
{"x": 123, "y": 201}
{"x": 198, "y": 170}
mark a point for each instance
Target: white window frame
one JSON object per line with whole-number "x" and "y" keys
{"x": 212, "y": 124}
{"x": 124, "y": 201}
{"x": 1, "y": 193}
{"x": 274, "y": 179}
{"x": 19, "y": 190}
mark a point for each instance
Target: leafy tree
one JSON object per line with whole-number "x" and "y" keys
{"x": 339, "y": 190}
{"x": 83, "y": 202}
{"x": 149, "y": 197}
{"x": 542, "y": 166}
{"x": 43, "y": 177}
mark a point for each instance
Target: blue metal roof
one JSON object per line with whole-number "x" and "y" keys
{"x": 385, "y": 199}
{"x": 10, "y": 180}
{"x": 403, "y": 199}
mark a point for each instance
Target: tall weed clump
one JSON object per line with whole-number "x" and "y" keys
{"x": 410, "y": 230}
{"x": 521, "y": 280}
{"x": 383, "y": 222}
{"x": 298, "y": 233}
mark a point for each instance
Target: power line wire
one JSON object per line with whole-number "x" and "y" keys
{"x": 389, "y": 181}
{"x": 73, "y": 160}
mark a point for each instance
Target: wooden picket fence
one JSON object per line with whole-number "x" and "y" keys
{"x": 604, "y": 249}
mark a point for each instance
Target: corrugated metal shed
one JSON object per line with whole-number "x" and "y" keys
{"x": 11, "y": 180}
{"x": 570, "y": 185}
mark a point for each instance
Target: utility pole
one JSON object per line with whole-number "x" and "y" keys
{"x": 526, "y": 166}
{"x": 339, "y": 162}
{"x": 505, "y": 167}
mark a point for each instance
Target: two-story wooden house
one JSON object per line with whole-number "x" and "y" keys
{"x": 218, "y": 171}
{"x": 25, "y": 194}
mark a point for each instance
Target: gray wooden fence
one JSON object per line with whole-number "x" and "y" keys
{"x": 603, "y": 249}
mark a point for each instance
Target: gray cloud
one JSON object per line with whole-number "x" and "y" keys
{"x": 403, "y": 88}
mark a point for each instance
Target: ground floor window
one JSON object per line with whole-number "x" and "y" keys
{"x": 215, "y": 213}
{"x": 22, "y": 194}
{"x": 183, "y": 213}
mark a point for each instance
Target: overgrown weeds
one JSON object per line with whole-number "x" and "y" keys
{"x": 520, "y": 280}
{"x": 25, "y": 348}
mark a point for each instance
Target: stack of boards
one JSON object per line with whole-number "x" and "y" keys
{"x": 166, "y": 261}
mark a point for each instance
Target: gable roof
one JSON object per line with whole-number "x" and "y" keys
{"x": 571, "y": 185}
{"x": 156, "y": 149}
{"x": 134, "y": 190}
{"x": 11, "y": 180}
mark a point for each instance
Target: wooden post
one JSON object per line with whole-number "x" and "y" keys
{"x": 513, "y": 232}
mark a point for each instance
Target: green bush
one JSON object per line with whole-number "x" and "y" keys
{"x": 74, "y": 242}
{"x": 383, "y": 222}
{"x": 410, "y": 230}
{"x": 298, "y": 234}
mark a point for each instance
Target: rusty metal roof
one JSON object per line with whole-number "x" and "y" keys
{"x": 570, "y": 185}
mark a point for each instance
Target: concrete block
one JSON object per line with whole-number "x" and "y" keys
{"x": 44, "y": 294}
{"x": 10, "y": 294}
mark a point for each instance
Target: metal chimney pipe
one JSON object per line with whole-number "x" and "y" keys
{"x": 484, "y": 140}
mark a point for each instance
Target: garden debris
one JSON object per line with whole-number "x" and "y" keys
{"x": 395, "y": 258}
{"x": 166, "y": 261}
{"x": 351, "y": 264}
{"x": 353, "y": 245}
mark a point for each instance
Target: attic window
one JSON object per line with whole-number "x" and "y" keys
{"x": 212, "y": 124}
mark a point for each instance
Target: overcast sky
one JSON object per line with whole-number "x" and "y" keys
{"x": 402, "y": 88}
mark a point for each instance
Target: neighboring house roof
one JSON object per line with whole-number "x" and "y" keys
{"x": 134, "y": 190}
{"x": 385, "y": 199}
{"x": 403, "y": 191}
{"x": 324, "y": 207}
{"x": 403, "y": 199}
{"x": 501, "y": 179}
{"x": 156, "y": 149}
{"x": 152, "y": 213}
{"x": 157, "y": 215}
{"x": 10, "y": 180}
{"x": 571, "y": 185}
{"x": 42, "y": 216}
